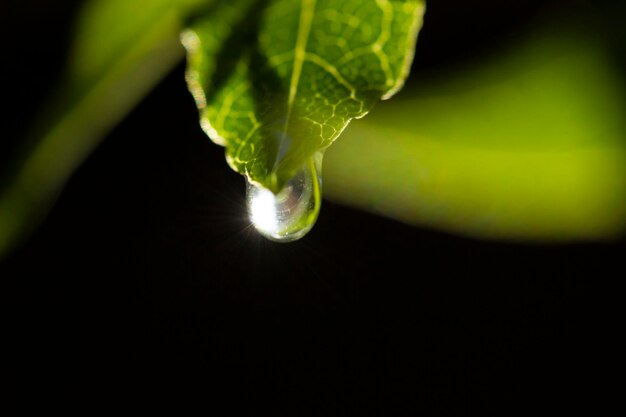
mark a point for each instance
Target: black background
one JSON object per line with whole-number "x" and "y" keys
{"x": 147, "y": 272}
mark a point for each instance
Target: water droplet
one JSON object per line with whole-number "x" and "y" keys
{"x": 291, "y": 213}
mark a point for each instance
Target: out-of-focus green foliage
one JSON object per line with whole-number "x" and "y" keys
{"x": 530, "y": 146}
{"x": 278, "y": 80}
{"x": 122, "y": 49}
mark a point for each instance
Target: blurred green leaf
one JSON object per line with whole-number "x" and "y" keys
{"x": 531, "y": 146}
{"x": 278, "y": 80}
{"x": 122, "y": 49}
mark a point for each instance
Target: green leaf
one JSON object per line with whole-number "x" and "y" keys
{"x": 278, "y": 80}
{"x": 529, "y": 146}
{"x": 121, "y": 49}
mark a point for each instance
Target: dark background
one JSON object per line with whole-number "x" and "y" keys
{"x": 146, "y": 270}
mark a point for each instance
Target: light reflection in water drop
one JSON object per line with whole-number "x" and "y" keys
{"x": 291, "y": 213}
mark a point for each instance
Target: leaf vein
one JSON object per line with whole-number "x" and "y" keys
{"x": 304, "y": 29}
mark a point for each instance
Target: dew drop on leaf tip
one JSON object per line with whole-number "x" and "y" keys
{"x": 291, "y": 213}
